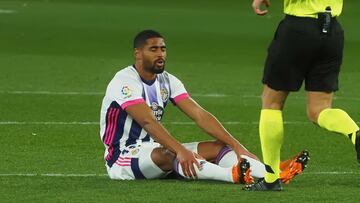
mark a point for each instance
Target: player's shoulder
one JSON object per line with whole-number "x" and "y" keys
{"x": 124, "y": 80}
{"x": 125, "y": 76}
{"x": 128, "y": 72}
{"x": 171, "y": 77}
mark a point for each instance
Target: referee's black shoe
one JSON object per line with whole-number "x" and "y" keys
{"x": 262, "y": 185}
{"x": 357, "y": 145}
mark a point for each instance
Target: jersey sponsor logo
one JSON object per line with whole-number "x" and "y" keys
{"x": 126, "y": 92}
{"x": 158, "y": 111}
{"x": 164, "y": 94}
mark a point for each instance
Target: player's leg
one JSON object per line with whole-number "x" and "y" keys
{"x": 293, "y": 166}
{"x": 208, "y": 150}
{"x": 161, "y": 157}
{"x": 289, "y": 168}
{"x": 226, "y": 157}
{"x": 220, "y": 154}
{"x": 240, "y": 173}
{"x": 320, "y": 111}
{"x": 145, "y": 161}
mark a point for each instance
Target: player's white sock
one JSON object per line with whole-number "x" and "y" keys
{"x": 257, "y": 168}
{"x": 228, "y": 158}
{"x": 209, "y": 171}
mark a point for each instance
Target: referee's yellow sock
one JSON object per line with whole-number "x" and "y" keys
{"x": 337, "y": 120}
{"x": 271, "y": 136}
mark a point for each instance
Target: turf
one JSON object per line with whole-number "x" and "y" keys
{"x": 57, "y": 56}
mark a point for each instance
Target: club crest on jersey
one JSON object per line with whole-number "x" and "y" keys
{"x": 164, "y": 94}
{"x": 158, "y": 111}
{"x": 126, "y": 91}
{"x": 134, "y": 152}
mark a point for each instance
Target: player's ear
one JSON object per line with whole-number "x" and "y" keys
{"x": 137, "y": 53}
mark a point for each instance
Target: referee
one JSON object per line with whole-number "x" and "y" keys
{"x": 307, "y": 46}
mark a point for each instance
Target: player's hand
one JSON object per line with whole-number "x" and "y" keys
{"x": 187, "y": 160}
{"x": 256, "y": 6}
{"x": 239, "y": 149}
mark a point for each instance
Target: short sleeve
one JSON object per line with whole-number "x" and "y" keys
{"x": 177, "y": 89}
{"x": 125, "y": 89}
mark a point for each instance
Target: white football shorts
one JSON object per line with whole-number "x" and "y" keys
{"x": 137, "y": 162}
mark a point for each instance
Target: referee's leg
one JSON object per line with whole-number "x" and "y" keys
{"x": 320, "y": 111}
{"x": 322, "y": 80}
{"x": 271, "y": 130}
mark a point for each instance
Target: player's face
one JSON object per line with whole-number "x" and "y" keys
{"x": 154, "y": 55}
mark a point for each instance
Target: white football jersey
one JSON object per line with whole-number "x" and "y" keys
{"x": 118, "y": 130}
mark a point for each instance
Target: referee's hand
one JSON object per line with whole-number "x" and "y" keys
{"x": 256, "y": 6}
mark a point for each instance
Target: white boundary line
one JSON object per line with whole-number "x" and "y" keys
{"x": 210, "y": 95}
{"x": 53, "y": 174}
{"x": 165, "y": 123}
{"x": 48, "y": 123}
{"x": 20, "y": 92}
{"x": 90, "y": 93}
{"x": 102, "y": 175}
{"x": 5, "y": 11}
{"x": 304, "y": 97}
{"x": 50, "y": 93}
{"x": 333, "y": 173}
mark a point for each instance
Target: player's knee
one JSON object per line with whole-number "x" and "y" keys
{"x": 218, "y": 145}
{"x": 210, "y": 149}
{"x": 163, "y": 158}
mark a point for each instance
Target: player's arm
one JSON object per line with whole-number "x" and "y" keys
{"x": 209, "y": 124}
{"x": 256, "y": 6}
{"x": 144, "y": 116}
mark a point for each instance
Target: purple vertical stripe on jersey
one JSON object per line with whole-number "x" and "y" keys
{"x": 136, "y": 169}
{"x": 134, "y": 134}
{"x": 222, "y": 153}
{"x": 164, "y": 82}
{"x": 146, "y": 138}
{"x": 151, "y": 92}
{"x": 114, "y": 157}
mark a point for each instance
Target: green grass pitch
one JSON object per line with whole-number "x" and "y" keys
{"x": 57, "y": 56}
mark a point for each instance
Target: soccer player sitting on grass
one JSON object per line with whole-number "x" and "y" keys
{"x": 137, "y": 146}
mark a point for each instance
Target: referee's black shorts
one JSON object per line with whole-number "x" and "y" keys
{"x": 301, "y": 52}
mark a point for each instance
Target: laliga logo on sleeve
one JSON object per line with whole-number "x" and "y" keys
{"x": 126, "y": 91}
